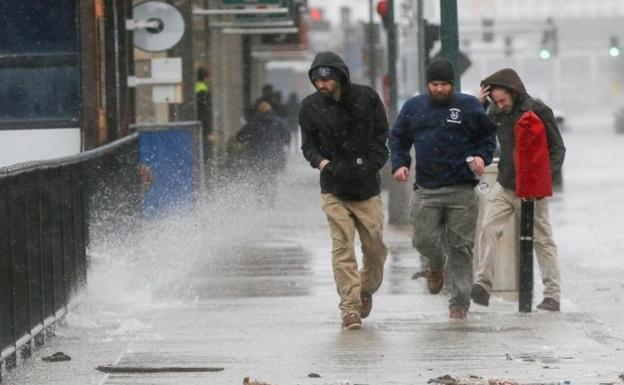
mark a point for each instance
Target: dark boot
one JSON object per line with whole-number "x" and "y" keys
{"x": 435, "y": 281}
{"x": 479, "y": 295}
{"x": 549, "y": 304}
{"x": 367, "y": 304}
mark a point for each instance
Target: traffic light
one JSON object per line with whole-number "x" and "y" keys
{"x": 508, "y": 46}
{"x": 317, "y": 21}
{"x": 488, "y": 30}
{"x": 549, "y": 40}
{"x": 614, "y": 46}
{"x": 383, "y": 9}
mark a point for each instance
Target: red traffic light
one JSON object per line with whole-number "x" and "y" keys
{"x": 382, "y": 8}
{"x": 316, "y": 14}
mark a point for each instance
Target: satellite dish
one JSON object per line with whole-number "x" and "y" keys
{"x": 166, "y": 26}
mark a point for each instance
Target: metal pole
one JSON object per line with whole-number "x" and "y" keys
{"x": 421, "y": 47}
{"x": 186, "y": 110}
{"x": 398, "y": 193}
{"x": 372, "y": 68}
{"x": 526, "y": 256}
{"x": 246, "y": 71}
{"x": 449, "y": 36}
{"x": 392, "y": 59}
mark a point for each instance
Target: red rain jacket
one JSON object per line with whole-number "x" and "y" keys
{"x": 533, "y": 175}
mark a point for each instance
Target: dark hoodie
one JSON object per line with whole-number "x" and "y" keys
{"x": 508, "y": 78}
{"x": 350, "y": 132}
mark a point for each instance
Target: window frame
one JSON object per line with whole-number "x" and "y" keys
{"x": 48, "y": 60}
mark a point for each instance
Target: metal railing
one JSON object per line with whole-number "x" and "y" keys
{"x": 44, "y": 210}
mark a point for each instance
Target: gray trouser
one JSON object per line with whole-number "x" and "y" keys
{"x": 444, "y": 221}
{"x": 502, "y": 204}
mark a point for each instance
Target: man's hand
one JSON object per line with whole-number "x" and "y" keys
{"x": 401, "y": 174}
{"x": 323, "y": 163}
{"x": 477, "y": 165}
{"x": 483, "y": 95}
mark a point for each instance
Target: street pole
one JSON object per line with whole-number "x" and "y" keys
{"x": 449, "y": 36}
{"x": 398, "y": 193}
{"x": 371, "y": 45}
{"x": 186, "y": 110}
{"x": 421, "y": 47}
{"x": 246, "y": 48}
{"x": 392, "y": 59}
{"x": 525, "y": 295}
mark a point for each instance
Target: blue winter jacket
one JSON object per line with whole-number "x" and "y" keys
{"x": 443, "y": 137}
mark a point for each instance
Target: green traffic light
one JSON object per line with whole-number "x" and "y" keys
{"x": 614, "y": 51}
{"x": 544, "y": 54}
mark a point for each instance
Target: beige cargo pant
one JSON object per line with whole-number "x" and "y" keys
{"x": 344, "y": 218}
{"x": 501, "y": 205}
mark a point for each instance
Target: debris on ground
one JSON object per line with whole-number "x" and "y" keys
{"x": 470, "y": 380}
{"x": 314, "y": 375}
{"x": 475, "y": 380}
{"x": 155, "y": 369}
{"x": 248, "y": 381}
{"x": 56, "y": 357}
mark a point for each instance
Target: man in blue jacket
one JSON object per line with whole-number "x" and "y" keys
{"x": 453, "y": 140}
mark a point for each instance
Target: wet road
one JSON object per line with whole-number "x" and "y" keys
{"x": 588, "y": 221}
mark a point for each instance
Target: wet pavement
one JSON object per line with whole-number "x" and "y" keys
{"x": 261, "y": 303}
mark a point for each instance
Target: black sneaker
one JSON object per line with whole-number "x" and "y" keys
{"x": 367, "y": 304}
{"x": 549, "y": 304}
{"x": 479, "y": 295}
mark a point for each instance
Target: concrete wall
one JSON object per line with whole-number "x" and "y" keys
{"x": 227, "y": 83}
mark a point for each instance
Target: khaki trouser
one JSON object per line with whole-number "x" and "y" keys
{"x": 345, "y": 217}
{"x": 444, "y": 221}
{"x": 502, "y": 204}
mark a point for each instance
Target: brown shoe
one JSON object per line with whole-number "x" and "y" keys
{"x": 457, "y": 313}
{"x": 479, "y": 295}
{"x": 352, "y": 321}
{"x": 367, "y": 304}
{"x": 435, "y": 281}
{"x": 549, "y": 304}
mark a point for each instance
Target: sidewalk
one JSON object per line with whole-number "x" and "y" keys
{"x": 267, "y": 309}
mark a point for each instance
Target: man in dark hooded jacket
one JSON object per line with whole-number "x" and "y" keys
{"x": 344, "y": 128}
{"x": 510, "y": 102}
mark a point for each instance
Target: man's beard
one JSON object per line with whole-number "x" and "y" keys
{"x": 442, "y": 99}
{"x": 326, "y": 93}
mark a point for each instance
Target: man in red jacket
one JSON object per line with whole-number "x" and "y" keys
{"x": 511, "y": 101}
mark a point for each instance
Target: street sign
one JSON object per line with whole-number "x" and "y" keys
{"x": 239, "y": 3}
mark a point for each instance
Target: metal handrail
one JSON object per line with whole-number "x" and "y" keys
{"x": 45, "y": 207}
{"x": 17, "y": 168}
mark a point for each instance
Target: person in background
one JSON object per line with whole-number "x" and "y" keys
{"x": 292, "y": 117}
{"x": 203, "y": 98}
{"x": 264, "y": 139}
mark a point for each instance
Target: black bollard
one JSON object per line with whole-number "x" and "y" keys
{"x": 526, "y": 256}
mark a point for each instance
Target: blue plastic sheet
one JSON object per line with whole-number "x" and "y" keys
{"x": 169, "y": 157}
